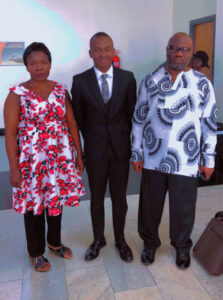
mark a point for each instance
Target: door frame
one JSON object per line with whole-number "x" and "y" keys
{"x": 203, "y": 20}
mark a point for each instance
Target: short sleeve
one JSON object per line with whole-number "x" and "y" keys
{"x": 18, "y": 90}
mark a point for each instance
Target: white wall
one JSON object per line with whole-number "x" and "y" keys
{"x": 139, "y": 28}
{"x": 218, "y": 76}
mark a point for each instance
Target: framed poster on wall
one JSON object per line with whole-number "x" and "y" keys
{"x": 11, "y": 53}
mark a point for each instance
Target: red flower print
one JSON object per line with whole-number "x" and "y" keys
{"x": 62, "y": 158}
{"x": 39, "y": 165}
{"x": 52, "y": 128}
{"x": 49, "y": 176}
{"x": 40, "y": 177}
{"x": 46, "y": 135}
{"x": 59, "y": 110}
{"x": 42, "y": 128}
{"x": 63, "y": 192}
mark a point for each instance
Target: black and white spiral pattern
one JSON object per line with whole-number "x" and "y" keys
{"x": 166, "y": 120}
{"x": 211, "y": 122}
{"x": 141, "y": 113}
{"x": 204, "y": 88}
{"x": 191, "y": 147}
{"x": 179, "y": 109}
{"x": 152, "y": 143}
{"x": 136, "y": 156}
{"x": 171, "y": 163}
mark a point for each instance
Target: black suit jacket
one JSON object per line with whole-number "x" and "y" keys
{"x": 99, "y": 127}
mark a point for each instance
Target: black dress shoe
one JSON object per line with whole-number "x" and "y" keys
{"x": 125, "y": 252}
{"x": 94, "y": 249}
{"x": 148, "y": 256}
{"x": 182, "y": 259}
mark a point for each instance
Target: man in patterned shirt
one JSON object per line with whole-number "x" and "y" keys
{"x": 174, "y": 138}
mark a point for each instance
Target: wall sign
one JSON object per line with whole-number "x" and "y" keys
{"x": 11, "y": 53}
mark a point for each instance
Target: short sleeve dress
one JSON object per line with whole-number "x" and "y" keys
{"x": 46, "y": 154}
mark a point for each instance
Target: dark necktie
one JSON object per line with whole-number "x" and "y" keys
{"x": 104, "y": 88}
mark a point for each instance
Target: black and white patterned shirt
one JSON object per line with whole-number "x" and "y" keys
{"x": 174, "y": 123}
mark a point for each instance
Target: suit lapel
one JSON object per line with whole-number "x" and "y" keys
{"x": 93, "y": 83}
{"x": 114, "y": 101}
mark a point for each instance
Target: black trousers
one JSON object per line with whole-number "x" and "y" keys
{"x": 35, "y": 232}
{"x": 110, "y": 170}
{"x": 182, "y": 201}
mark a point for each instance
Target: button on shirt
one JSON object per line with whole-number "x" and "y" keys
{"x": 174, "y": 123}
{"x": 109, "y": 79}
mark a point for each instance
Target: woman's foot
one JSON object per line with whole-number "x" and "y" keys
{"x": 41, "y": 264}
{"x": 62, "y": 251}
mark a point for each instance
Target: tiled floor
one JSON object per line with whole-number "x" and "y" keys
{"x": 107, "y": 277}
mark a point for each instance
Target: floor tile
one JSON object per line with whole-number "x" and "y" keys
{"x": 38, "y": 286}
{"x": 125, "y": 276}
{"x": 107, "y": 277}
{"x": 148, "y": 293}
{"x": 12, "y": 256}
{"x": 172, "y": 282}
{"x": 49, "y": 285}
{"x": 79, "y": 239}
{"x": 108, "y": 294}
{"x": 87, "y": 284}
{"x": 214, "y": 286}
{"x": 11, "y": 290}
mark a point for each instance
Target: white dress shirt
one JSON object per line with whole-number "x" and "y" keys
{"x": 109, "y": 78}
{"x": 174, "y": 123}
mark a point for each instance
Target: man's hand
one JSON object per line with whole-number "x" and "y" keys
{"x": 137, "y": 166}
{"x": 207, "y": 172}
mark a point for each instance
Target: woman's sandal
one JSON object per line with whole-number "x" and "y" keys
{"x": 62, "y": 251}
{"x": 41, "y": 264}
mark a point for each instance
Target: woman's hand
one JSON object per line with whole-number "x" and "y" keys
{"x": 16, "y": 178}
{"x": 79, "y": 164}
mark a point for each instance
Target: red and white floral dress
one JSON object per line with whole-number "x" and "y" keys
{"x": 46, "y": 154}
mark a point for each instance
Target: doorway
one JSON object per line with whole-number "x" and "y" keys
{"x": 202, "y": 32}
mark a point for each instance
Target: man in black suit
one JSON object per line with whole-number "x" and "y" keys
{"x": 103, "y": 99}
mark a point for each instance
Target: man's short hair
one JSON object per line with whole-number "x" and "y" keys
{"x": 98, "y": 34}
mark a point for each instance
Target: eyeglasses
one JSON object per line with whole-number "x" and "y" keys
{"x": 175, "y": 49}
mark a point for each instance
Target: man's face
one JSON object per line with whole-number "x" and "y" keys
{"x": 179, "y": 52}
{"x": 102, "y": 53}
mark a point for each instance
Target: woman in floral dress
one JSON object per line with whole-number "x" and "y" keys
{"x": 45, "y": 156}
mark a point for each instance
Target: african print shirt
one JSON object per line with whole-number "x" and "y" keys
{"x": 174, "y": 123}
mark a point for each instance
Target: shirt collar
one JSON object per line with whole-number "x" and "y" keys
{"x": 99, "y": 73}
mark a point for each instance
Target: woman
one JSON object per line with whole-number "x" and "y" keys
{"x": 199, "y": 60}
{"x": 41, "y": 138}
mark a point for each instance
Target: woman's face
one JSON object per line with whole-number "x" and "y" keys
{"x": 38, "y": 65}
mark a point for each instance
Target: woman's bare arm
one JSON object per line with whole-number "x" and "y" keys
{"x": 11, "y": 118}
{"x": 74, "y": 131}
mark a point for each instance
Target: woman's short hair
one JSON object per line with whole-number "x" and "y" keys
{"x": 36, "y": 47}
